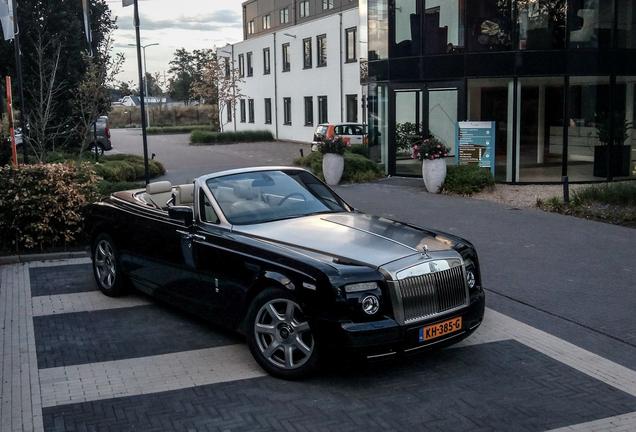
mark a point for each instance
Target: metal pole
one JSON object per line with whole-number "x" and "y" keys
{"x": 146, "y": 85}
{"x": 141, "y": 92}
{"x": 18, "y": 72}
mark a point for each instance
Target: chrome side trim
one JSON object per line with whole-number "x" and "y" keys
{"x": 375, "y": 356}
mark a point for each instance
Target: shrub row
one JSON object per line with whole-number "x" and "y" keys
{"x": 167, "y": 130}
{"x": 126, "y": 168}
{"x": 357, "y": 168}
{"x": 40, "y": 205}
{"x": 202, "y": 137}
{"x": 465, "y": 180}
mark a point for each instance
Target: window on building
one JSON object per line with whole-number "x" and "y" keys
{"x": 286, "y": 65}
{"x": 350, "y": 41}
{"x": 309, "y": 110}
{"x": 250, "y": 110}
{"x": 307, "y": 53}
{"x": 266, "y": 22}
{"x": 242, "y": 105}
{"x": 241, "y": 60}
{"x": 268, "y": 110}
{"x": 287, "y": 119}
{"x": 303, "y": 8}
{"x": 266, "y": 61}
{"x": 321, "y": 43}
{"x": 352, "y": 108}
{"x": 322, "y": 109}
{"x": 327, "y": 4}
{"x": 228, "y": 105}
{"x": 250, "y": 27}
{"x": 284, "y": 15}
{"x": 250, "y": 68}
{"x": 226, "y": 63}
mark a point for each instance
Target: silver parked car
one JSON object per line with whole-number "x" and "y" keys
{"x": 102, "y": 143}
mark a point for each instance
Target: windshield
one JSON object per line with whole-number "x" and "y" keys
{"x": 264, "y": 196}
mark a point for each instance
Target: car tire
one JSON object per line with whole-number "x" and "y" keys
{"x": 107, "y": 269}
{"x": 279, "y": 335}
{"x": 100, "y": 149}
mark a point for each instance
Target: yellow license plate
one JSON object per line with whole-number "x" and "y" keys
{"x": 440, "y": 329}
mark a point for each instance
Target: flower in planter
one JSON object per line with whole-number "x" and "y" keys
{"x": 430, "y": 148}
{"x": 334, "y": 144}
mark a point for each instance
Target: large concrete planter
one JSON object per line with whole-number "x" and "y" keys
{"x": 332, "y": 168}
{"x": 433, "y": 174}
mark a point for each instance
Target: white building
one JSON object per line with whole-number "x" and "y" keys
{"x": 298, "y": 76}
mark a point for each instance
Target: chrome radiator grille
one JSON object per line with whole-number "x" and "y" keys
{"x": 432, "y": 293}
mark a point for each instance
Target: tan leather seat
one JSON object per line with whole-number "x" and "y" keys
{"x": 184, "y": 195}
{"x": 159, "y": 193}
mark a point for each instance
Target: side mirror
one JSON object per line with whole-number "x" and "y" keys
{"x": 182, "y": 213}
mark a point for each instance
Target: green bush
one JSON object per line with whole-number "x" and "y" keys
{"x": 465, "y": 180}
{"x": 179, "y": 129}
{"x": 619, "y": 194}
{"x": 357, "y": 168}
{"x": 40, "y": 205}
{"x": 358, "y": 149}
{"x": 203, "y": 137}
{"x": 126, "y": 168}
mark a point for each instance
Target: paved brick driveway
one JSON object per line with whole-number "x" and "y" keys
{"x": 74, "y": 359}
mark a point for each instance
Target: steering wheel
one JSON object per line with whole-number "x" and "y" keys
{"x": 291, "y": 195}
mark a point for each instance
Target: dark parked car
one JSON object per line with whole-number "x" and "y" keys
{"x": 276, "y": 254}
{"x": 102, "y": 143}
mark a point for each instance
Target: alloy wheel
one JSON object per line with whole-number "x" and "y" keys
{"x": 283, "y": 335}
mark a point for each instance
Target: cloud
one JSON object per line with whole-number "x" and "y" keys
{"x": 214, "y": 21}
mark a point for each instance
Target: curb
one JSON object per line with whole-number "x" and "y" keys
{"x": 16, "y": 259}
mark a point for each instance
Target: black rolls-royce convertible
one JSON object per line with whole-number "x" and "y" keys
{"x": 274, "y": 253}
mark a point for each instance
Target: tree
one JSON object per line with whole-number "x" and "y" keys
{"x": 91, "y": 95}
{"x": 219, "y": 82}
{"x": 185, "y": 69}
{"x": 50, "y": 29}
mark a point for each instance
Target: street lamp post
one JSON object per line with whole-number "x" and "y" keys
{"x": 143, "y": 47}
{"x": 129, "y": 117}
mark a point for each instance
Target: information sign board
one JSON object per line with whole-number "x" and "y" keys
{"x": 475, "y": 144}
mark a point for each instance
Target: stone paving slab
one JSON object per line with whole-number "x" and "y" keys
{"x": 85, "y": 302}
{"x": 62, "y": 280}
{"x": 116, "y": 334}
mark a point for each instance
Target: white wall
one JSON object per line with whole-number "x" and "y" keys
{"x": 335, "y": 80}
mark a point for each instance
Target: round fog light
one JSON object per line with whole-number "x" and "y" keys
{"x": 370, "y": 304}
{"x": 470, "y": 278}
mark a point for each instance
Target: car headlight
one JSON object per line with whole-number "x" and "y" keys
{"x": 358, "y": 287}
{"x": 370, "y": 304}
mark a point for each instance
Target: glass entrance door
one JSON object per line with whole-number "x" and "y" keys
{"x": 420, "y": 111}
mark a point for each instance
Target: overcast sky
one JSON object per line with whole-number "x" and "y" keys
{"x": 174, "y": 24}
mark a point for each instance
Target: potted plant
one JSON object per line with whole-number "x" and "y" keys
{"x": 616, "y": 156}
{"x": 332, "y": 149}
{"x": 432, "y": 152}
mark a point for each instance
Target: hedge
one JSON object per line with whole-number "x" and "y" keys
{"x": 40, "y": 205}
{"x": 167, "y": 130}
{"x": 126, "y": 168}
{"x": 465, "y": 180}
{"x": 199, "y": 137}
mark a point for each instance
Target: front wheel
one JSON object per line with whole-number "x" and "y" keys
{"x": 279, "y": 335}
{"x": 107, "y": 268}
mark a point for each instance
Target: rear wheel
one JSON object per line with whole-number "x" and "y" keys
{"x": 279, "y": 335}
{"x": 100, "y": 149}
{"x": 107, "y": 268}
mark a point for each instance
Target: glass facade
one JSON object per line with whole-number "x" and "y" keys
{"x": 555, "y": 77}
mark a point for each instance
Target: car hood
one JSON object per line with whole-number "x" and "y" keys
{"x": 353, "y": 237}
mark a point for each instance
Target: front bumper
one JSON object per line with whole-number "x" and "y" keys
{"x": 383, "y": 338}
